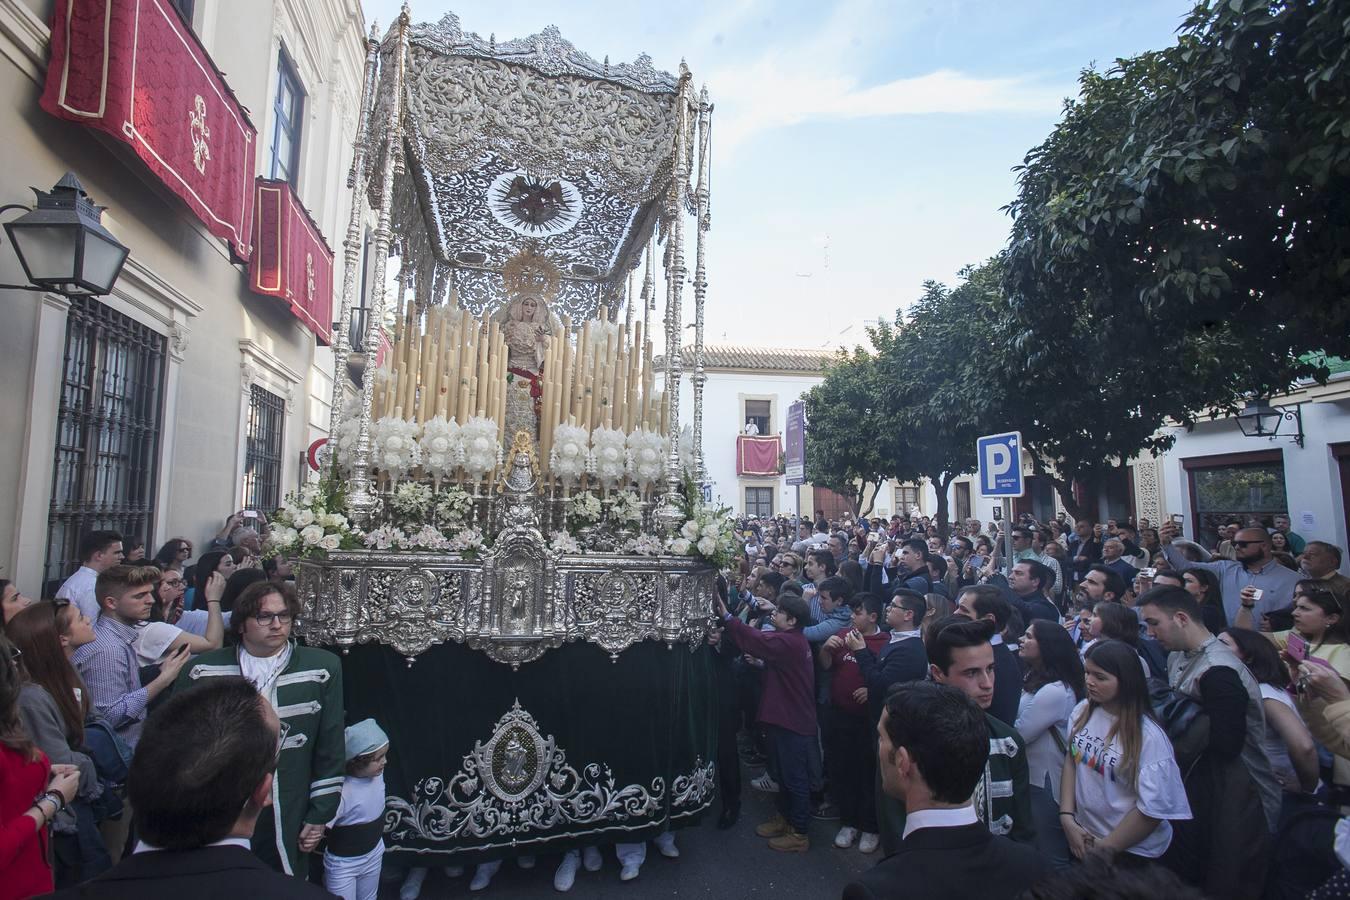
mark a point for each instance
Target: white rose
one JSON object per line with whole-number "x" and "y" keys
{"x": 570, "y": 450}
{"x": 440, "y": 444}
{"x": 481, "y": 444}
{"x": 648, "y": 455}
{"x": 393, "y": 443}
{"x": 611, "y": 454}
{"x": 690, "y": 531}
{"x": 680, "y": 547}
{"x": 711, "y": 530}
{"x": 330, "y": 542}
{"x": 707, "y": 546}
{"x": 392, "y": 461}
{"x": 311, "y": 535}
{"x": 303, "y": 518}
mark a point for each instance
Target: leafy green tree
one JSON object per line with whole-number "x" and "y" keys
{"x": 1178, "y": 241}
{"x": 850, "y": 446}
{"x": 937, "y": 377}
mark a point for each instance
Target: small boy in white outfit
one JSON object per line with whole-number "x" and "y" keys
{"x": 351, "y": 864}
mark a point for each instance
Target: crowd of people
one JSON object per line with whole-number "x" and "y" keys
{"x": 1137, "y": 696}
{"x": 1111, "y": 703}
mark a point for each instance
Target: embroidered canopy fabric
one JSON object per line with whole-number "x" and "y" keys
{"x": 291, "y": 260}
{"x": 757, "y": 455}
{"x": 132, "y": 69}
{"x": 571, "y": 750}
{"x": 529, "y": 141}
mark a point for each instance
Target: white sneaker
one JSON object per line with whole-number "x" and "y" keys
{"x": 629, "y": 871}
{"x": 453, "y": 871}
{"x": 482, "y": 874}
{"x": 566, "y": 876}
{"x": 846, "y": 836}
{"x": 765, "y": 783}
{"x": 665, "y": 842}
{"x": 591, "y": 859}
{"x": 869, "y": 842}
{"x": 412, "y": 884}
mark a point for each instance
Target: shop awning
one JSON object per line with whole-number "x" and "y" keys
{"x": 134, "y": 70}
{"x": 291, "y": 260}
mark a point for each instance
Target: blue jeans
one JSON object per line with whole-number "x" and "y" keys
{"x": 790, "y": 764}
{"x": 1050, "y": 839}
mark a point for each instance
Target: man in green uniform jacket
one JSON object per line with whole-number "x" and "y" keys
{"x": 960, "y": 655}
{"x": 304, "y": 686}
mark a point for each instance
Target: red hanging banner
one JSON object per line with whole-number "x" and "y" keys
{"x": 132, "y": 69}
{"x": 757, "y": 454}
{"x": 291, "y": 260}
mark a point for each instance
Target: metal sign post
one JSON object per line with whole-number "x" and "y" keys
{"x": 1000, "y": 463}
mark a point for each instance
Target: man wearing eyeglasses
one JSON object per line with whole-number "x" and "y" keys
{"x": 1252, "y": 569}
{"x": 304, "y": 686}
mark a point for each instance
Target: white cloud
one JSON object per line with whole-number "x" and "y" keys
{"x": 767, "y": 95}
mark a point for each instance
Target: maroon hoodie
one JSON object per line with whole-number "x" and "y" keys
{"x": 789, "y": 689}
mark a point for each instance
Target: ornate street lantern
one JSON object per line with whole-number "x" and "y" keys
{"x": 62, "y": 244}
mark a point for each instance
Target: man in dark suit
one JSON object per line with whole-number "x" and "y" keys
{"x": 984, "y": 601}
{"x": 933, "y": 746}
{"x": 201, "y": 775}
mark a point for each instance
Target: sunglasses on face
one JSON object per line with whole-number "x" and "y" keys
{"x": 1246, "y": 543}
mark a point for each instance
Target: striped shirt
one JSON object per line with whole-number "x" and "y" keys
{"x": 111, "y": 671}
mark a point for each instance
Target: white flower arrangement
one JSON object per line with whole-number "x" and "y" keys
{"x": 452, "y": 507}
{"x": 585, "y": 508}
{"x": 646, "y": 457}
{"x": 571, "y": 450}
{"x": 626, "y": 507}
{"x": 345, "y": 443}
{"x": 410, "y": 503}
{"x": 609, "y": 455}
{"x": 467, "y": 540}
{"x": 442, "y": 447}
{"x": 562, "y": 542}
{"x": 386, "y": 537}
{"x": 428, "y": 537}
{"x": 644, "y": 545}
{"x": 707, "y": 532}
{"x": 482, "y": 451}
{"x": 601, "y": 331}
{"x": 396, "y": 448}
{"x": 304, "y": 526}
{"x": 688, "y": 465}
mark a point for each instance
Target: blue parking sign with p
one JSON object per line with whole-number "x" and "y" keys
{"x": 1000, "y": 464}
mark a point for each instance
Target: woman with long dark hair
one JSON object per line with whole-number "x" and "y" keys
{"x": 1203, "y": 585}
{"x": 174, "y": 554}
{"x": 25, "y": 774}
{"x": 54, "y": 704}
{"x": 11, "y": 602}
{"x": 1293, "y": 755}
{"x": 221, "y": 561}
{"x": 1123, "y": 784}
{"x": 1053, "y": 685}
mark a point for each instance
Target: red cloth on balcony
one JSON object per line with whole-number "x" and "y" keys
{"x": 757, "y": 454}
{"x": 291, "y": 259}
{"x": 132, "y": 69}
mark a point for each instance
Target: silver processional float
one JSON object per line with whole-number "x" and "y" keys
{"x": 510, "y": 546}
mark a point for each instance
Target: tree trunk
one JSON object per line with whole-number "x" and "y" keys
{"x": 944, "y": 483}
{"x": 860, "y": 513}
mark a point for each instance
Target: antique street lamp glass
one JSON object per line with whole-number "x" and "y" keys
{"x": 62, "y": 244}
{"x": 1259, "y": 419}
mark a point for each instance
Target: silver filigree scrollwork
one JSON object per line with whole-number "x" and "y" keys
{"x": 517, "y": 783}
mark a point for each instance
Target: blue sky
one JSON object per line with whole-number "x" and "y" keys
{"x": 859, "y": 148}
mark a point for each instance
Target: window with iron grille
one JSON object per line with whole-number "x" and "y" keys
{"x": 262, "y": 453}
{"x": 287, "y": 122}
{"x": 759, "y": 501}
{"x": 107, "y": 434}
{"x": 906, "y": 500}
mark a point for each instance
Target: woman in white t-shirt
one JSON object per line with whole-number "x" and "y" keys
{"x": 1124, "y": 784}
{"x": 1052, "y": 687}
{"x": 1288, "y": 743}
